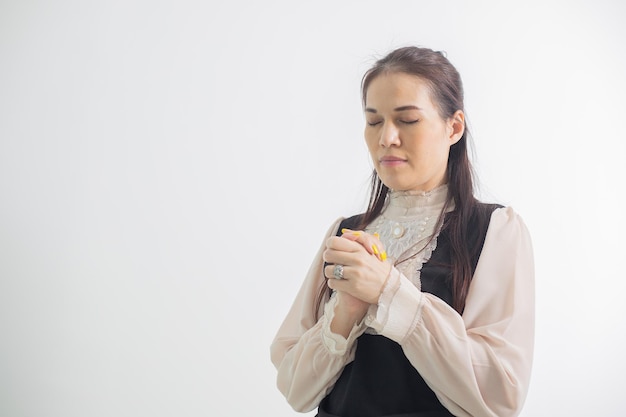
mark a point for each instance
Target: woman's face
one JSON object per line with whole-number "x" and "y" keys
{"x": 408, "y": 140}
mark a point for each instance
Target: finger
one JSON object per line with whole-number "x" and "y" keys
{"x": 371, "y": 243}
{"x": 332, "y": 256}
{"x": 337, "y": 284}
{"x": 349, "y": 233}
{"x": 359, "y": 237}
{"x": 340, "y": 244}
{"x": 329, "y": 272}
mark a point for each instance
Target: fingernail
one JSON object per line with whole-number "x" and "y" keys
{"x": 344, "y": 230}
{"x": 376, "y": 235}
{"x": 383, "y": 256}
{"x": 375, "y": 249}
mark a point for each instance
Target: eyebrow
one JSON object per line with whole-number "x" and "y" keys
{"x": 401, "y": 108}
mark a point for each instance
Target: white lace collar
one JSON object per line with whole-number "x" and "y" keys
{"x": 407, "y": 227}
{"x": 402, "y": 205}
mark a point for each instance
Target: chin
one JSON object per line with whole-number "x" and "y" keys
{"x": 397, "y": 187}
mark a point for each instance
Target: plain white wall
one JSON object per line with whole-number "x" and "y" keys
{"x": 168, "y": 170}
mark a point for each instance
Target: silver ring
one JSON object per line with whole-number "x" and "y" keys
{"x": 338, "y": 271}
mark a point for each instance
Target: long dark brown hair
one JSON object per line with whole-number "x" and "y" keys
{"x": 446, "y": 91}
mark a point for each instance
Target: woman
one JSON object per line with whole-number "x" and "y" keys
{"x": 424, "y": 304}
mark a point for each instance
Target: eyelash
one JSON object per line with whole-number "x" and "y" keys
{"x": 406, "y": 122}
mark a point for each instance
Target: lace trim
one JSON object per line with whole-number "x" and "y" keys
{"x": 412, "y": 267}
{"x": 414, "y": 264}
{"x": 412, "y": 232}
{"x": 408, "y": 262}
{"x": 337, "y": 344}
{"x": 428, "y": 251}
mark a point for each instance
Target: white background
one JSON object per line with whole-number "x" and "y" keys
{"x": 168, "y": 170}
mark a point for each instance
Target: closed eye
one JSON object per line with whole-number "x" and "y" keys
{"x": 374, "y": 123}
{"x": 409, "y": 122}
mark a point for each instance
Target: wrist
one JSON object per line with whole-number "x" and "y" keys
{"x": 385, "y": 282}
{"x": 346, "y": 319}
{"x": 350, "y": 306}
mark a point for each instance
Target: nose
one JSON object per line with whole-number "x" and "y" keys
{"x": 389, "y": 135}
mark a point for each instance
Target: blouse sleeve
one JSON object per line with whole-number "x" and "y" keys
{"x": 309, "y": 358}
{"x": 478, "y": 364}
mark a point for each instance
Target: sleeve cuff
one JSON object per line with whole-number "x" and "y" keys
{"x": 335, "y": 343}
{"x": 398, "y": 309}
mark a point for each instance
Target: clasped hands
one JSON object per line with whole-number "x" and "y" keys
{"x": 365, "y": 269}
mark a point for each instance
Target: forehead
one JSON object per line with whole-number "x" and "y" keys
{"x": 397, "y": 89}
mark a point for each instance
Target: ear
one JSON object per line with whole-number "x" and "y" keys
{"x": 456, "y": 127}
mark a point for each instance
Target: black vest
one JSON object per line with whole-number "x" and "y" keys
{"x": 381, "y": 382}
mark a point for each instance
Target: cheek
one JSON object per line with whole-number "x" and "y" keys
{"x": 370, "y": 141}
{"x": 429, "y": 146}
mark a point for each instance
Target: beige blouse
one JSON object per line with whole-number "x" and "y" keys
{"x": 478, "y": 364}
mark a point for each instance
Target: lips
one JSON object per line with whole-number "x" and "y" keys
{"x": 391, "y": 160}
